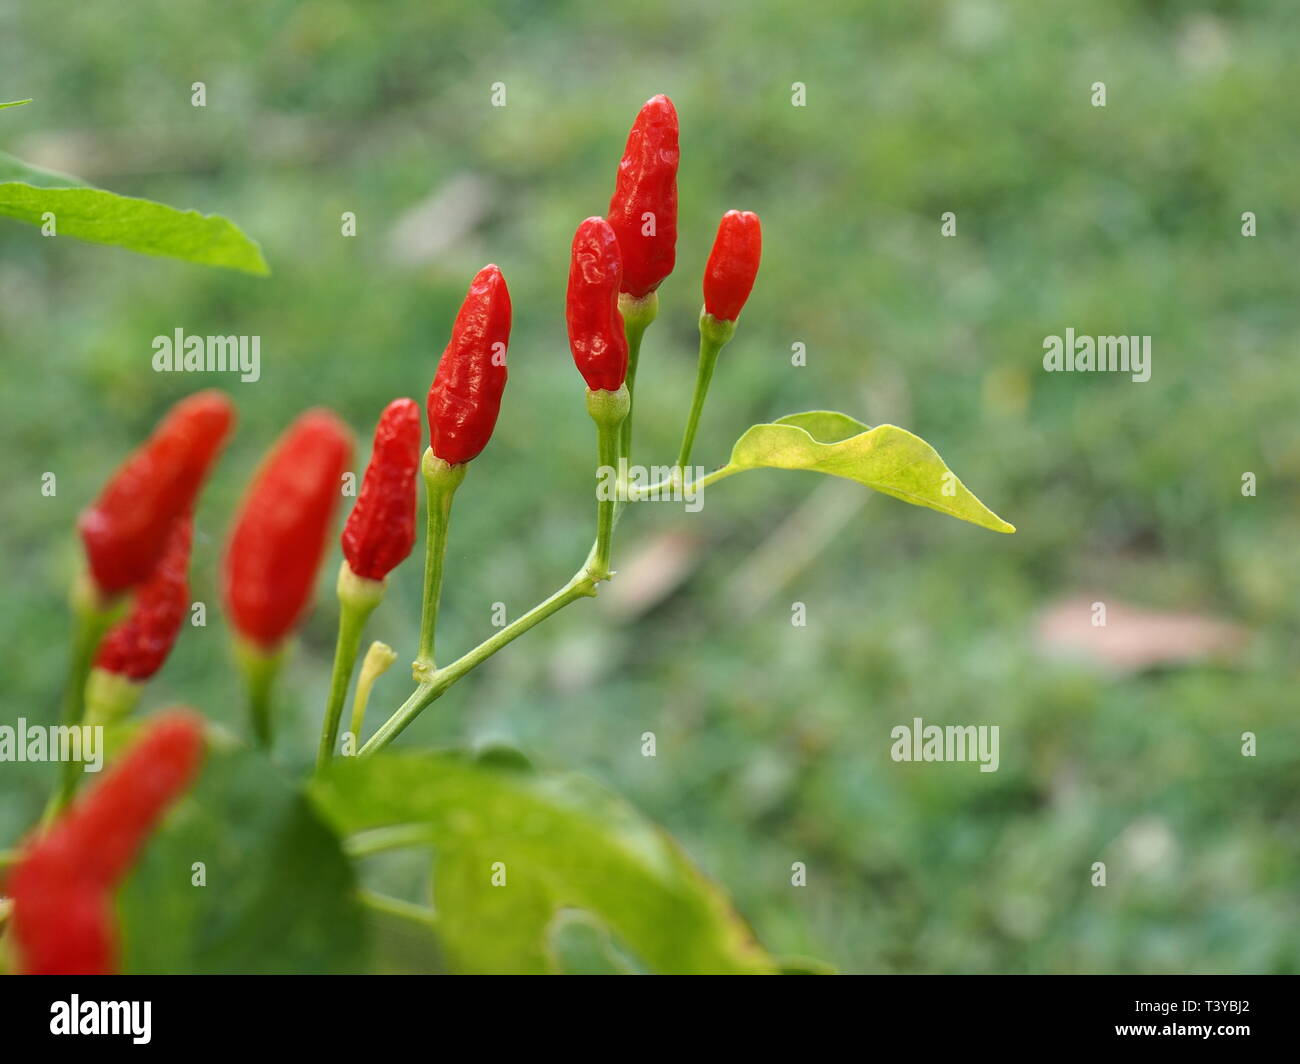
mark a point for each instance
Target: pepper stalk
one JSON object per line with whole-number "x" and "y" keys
{"x": 358, "y": 597}
{"x": 259, "y": 668}
{"x": 92, "y": 617}
{"x": 440, "y": 482}
{"x": 609, "y": 410}
{"x": 637, "y": 313}
{"x": 714, "y": 335}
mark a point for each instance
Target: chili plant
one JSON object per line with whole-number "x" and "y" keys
{"x": 532, "y": 872}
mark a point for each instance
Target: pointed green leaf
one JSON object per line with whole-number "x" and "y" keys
{"x": 889, "y": 459}
{"x": 559, "y": 842}
{"x": 27, "y": 192}
{"x": 15, "y": 103}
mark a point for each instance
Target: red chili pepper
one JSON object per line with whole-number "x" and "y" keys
{"x": 277, "y": 542}
{"x": 596, "y": 335}
{"x": 381, "y": 528}
{"x": 733, "y": 264}
{"x": 643, "y": 209}
{"x": 126, "y": 529}
{"x": 466, "y": 393}
{"x": 62, "y": 885}
{"x": 137, "y": 646}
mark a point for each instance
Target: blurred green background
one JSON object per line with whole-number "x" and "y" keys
{"x": 773, "y": 740}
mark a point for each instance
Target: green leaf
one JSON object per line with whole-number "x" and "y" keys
{"x": 15, "y": 103}
{"x": 279, "y": 897}
{"x": 824, "y": 426}
{"x": 580, "y": 945}
{"x": 889, "y": 459}
{"x": 402, "y": 945}
{"x": 27, "y": 192}
{"x": 563, "y": 843}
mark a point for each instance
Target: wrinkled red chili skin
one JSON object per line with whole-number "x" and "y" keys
{"x": 278, "y": 539}
{"x": 137, "y": 646}
{"x": 733, "y": 264}
{"x": 596, "y": 335}
{"x": 647, "y": 185}
{"x": 466, "y": 393}
{"x": 380, "y": 531}
{"x": 125, "y": 530}
{"x": 62, "y": 884}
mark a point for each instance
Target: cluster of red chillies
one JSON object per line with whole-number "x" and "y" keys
{"x": 634, "y": 248}
{"x": 137, "y": 534}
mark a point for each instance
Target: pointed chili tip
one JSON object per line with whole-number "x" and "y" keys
{"x": 325, "y": 428}
{"x": 596, "y": 251}
{"x": 179, "y": 732}
{"x": 659, "y": 105}
{"x": 733, "y": 264}
{"x": 401, "y": 410}
{"x": 489, "y": 293}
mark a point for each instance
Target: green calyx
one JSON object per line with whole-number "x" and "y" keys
{"x": 715, "y": 331}
{"x": 608, "y": 409}
{"x": 638, "y": 311}
{"x": 359, "y": 592}
{"x": 110, "y": 696}
{"x": 438, "y": 475}
{"x": 89, "y": 603}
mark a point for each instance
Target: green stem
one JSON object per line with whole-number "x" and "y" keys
{"x": 260, "y": 668}
{"x": 358, "y": 598}
{"x": 650, "y": 490}
{"x": 91, "y": 619}
{"x": 637, "y": 316}
{"x": 441, "y": 481}
{"x": 610, "y": 412}
{"x": 714, "y": 335}
{"x": 390, "y": 906}
{"x": 581, "y": 585}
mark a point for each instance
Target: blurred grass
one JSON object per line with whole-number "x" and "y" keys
{"x": 772, "y": 740}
